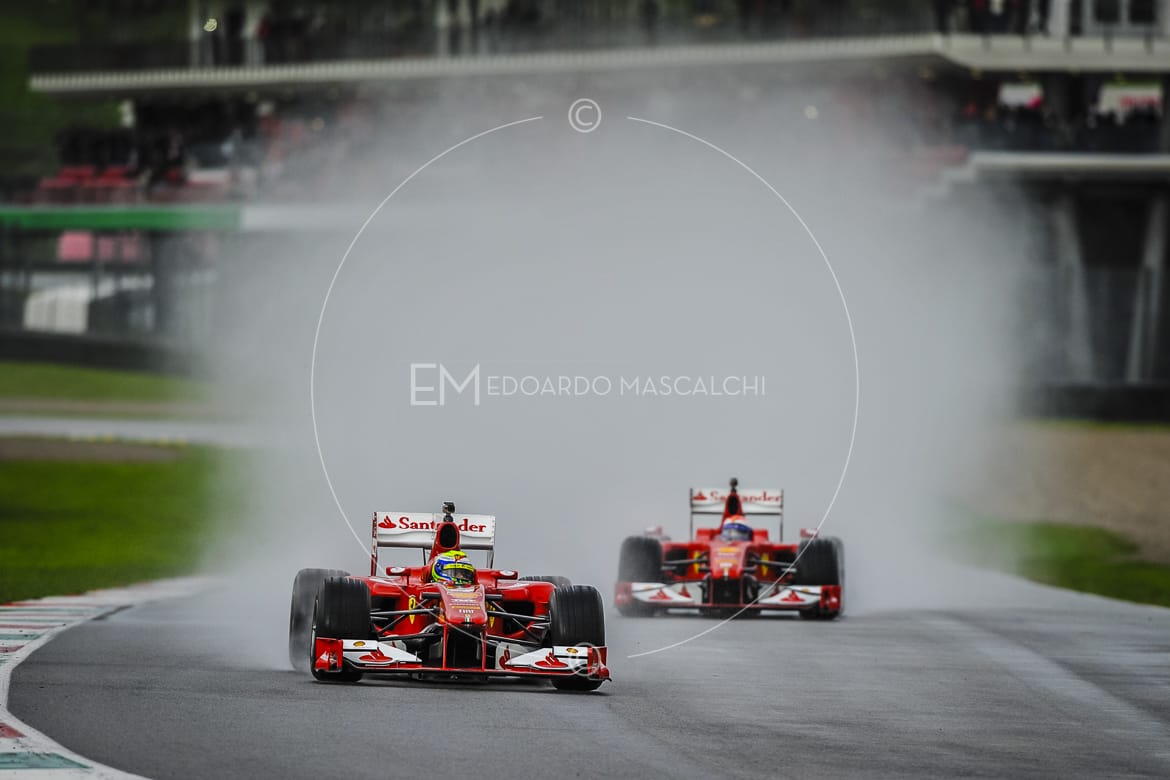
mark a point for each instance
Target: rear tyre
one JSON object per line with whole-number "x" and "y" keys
{"x": 576, "y": 617}
{"x": 555, "y": 579}
{"x": 342, "y": 612}
{"x": 300, "y": 618}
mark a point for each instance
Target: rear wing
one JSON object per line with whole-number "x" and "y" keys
{"x": 759, "y": 501}
{"x": 417, "y": 530}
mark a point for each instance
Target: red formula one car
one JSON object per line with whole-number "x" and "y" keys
{"x": 732, "y": 568}
{"x": 403, "y": 620}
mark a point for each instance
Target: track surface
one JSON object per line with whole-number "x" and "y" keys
{"x": 1073, "y": 686}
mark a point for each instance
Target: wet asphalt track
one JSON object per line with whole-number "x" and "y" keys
{"x": 1072, "y": 686}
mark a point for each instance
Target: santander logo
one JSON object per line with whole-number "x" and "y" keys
{"x": 756, "y": 497}
{"x": 405, "y": 523}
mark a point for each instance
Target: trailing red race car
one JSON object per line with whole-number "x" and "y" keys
{"x": 445, "y": 618}
{"x": 733, "y": 567}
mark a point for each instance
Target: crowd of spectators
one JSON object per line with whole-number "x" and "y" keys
{"x": 992, "y": 17}
{"x": 199, "y": 153}
{"x": 1022, "y": 128}
{"x": 290, "y": 31}
{"x": 205, "y": 152}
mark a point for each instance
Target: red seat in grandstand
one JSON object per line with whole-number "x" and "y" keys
{"x": 56, "y": 190}
{"x": 77, "y": 172}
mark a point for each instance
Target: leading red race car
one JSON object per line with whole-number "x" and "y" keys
{"x": 400, "y": 620}
{"x": 733, "y": 568}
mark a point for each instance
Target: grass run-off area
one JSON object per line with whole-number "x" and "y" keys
{"x": 71, "y": 526}
{"x": 60, "y": 382}
{"x": 1082, "y": 558}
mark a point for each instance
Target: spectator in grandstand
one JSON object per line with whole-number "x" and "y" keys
{"x": 233, "y": 30}
{"x": 1000, "y": 13}
{"x": 942, "y": 15}
{"x": 978, "y": 16}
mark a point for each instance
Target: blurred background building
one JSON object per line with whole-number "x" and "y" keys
{"x": 149, "y": 141}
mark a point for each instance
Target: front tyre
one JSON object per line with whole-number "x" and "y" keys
{"x": 821, "y": 561}
{"x": 300, "y": 618}
{"x": 342, "y": 612}
{"x": 576, "y": 617}
{"x": 640, "y": 560}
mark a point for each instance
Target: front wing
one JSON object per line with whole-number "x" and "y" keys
{"x": 512, "y": 660}
{"x": 687, "y": 595}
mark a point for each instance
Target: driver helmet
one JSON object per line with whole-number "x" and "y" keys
{"x": 735, "y": 530}
{"x": 453, "y": 569}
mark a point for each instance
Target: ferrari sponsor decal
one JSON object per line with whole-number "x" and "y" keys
{"x": 403, "y": 523}
{"x": 659, "y": 593}
{"x": 376, "y": 653}
{"x": 758, "y": 501}
{"x": 793, "y": 597}
{"x": 550, "y": 661}
{"x": 555, "y": 659}
{"x": 376, "y": 657}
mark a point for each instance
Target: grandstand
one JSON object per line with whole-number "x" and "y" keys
{"x": 236, "y": 115}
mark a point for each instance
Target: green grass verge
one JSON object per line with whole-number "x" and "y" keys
{"x": 1069, "y": 423}
{"x": 68, "y": 527}
{"x": 1082, "y": 558}
{"x": 51, "y": 381}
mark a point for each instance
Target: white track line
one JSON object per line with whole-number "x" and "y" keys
{"x": 27, "y": 625}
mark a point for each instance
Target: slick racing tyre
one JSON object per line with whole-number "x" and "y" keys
{"x": 640, "y": 560}
{"x": 820, "y": 561}
{"x": 576, "y": 617}
{"x": 342, "y": 612}
{"x": 555, "y": 579}
{"x": 300, "y": 618}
